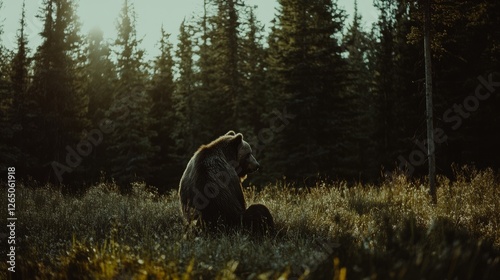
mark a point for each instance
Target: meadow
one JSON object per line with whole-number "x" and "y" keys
{"x": 329, "y": 231}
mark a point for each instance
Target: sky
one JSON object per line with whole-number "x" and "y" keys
{"x": 152, "y": 14}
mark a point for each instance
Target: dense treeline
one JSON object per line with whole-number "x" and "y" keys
{"x": 315, "y": 96}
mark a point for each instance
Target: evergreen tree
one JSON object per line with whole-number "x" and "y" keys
{"x": 226, "y": 47}
{"x": 164, "y": 168}
{"x": 20, "y": 63}
{"x": 208, "y": 92}
{"x": 219, "y": 46}
{"x": 253, "y": 72}
{"x": 399, "y": 100}
{"x": 100, "y": 88}
{"x": 308, "y": 70}
{"x": 215, "y": 59}
{"x": 4, "y": 70}
{"x": 358, "y": 159}
{"x": 465, "y": 47}
{"x": 57, "y": 90}
{"x": 188, "y": 126}
{"x": 23, "y": 105}
{"x": 383, "y": 78}
{"x": 130, "y": 150}
{"x": 7, "y": 155}
{"x": 101, "y": 76}
{"x": 3, "y": 56}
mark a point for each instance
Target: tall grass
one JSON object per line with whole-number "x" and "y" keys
{"x": 388, "y": 231}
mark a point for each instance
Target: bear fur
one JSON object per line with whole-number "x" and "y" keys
{"x": 258, "y": 219}
{"x": 210, "y": 189}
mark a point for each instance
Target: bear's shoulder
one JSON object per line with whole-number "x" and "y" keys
{"x": 223, "y": 145}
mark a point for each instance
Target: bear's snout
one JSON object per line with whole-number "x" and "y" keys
{"x": 253, "y": 165}
{"x": 256, "y": 167}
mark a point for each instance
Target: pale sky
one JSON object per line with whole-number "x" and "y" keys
{"x": 151, "y": 15}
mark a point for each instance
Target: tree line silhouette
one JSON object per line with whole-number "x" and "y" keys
{"x": 316, "y": 96}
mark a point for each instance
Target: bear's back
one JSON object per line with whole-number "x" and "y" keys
{"x": 209, "y": 174}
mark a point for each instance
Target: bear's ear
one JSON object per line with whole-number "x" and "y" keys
{"x": 237, "y": 139}
{"x": 230, "y": 133}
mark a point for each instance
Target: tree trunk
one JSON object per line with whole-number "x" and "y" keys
{"x": 428, "y": 94}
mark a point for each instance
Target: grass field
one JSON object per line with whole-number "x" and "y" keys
{"x": 330, "y": 231}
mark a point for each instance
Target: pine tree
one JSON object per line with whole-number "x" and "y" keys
{"x": 227, "y": 48}
{"x": 20, "y": 63}
{"x": 7, "y": 154}
{"x": 4, "y": 70}
{"x": 208, "y": 90}
{"x": 130, "y": 150}
{"x": 187, "y": 129}
{"x": 100, "y": 88}
{"x": 3, "y": 51}
{"x": 308, "y": 71}
{"x": 57, "y": 90}
{"x": 164, "y": 168}
{"x": 384, "y": 90}
{"x": 464, "y": 47}
{"x": 357, "y": 160}
{"x": 22, "y": 107}
{"x": 398, "y": 101}
{"x": 219, "y": 46}
{"x": 253, "y": 73}
{"x": 101, "y": 76}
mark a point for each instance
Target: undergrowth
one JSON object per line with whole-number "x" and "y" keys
{"x": 330, "y": 231}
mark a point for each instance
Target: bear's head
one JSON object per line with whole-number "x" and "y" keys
{"x": 245, "y": 162}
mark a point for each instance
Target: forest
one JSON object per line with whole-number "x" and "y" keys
{"x": 318, "y": 97}
{"x": 94, "y": 137}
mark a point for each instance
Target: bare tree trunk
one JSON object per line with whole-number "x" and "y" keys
{"x": 431, "y": 158}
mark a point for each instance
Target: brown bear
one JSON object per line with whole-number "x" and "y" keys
{"x": 210, "y": 189}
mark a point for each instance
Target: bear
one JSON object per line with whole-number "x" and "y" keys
{"x": 210, "y": 189}
{"x": 258, "y": 219}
